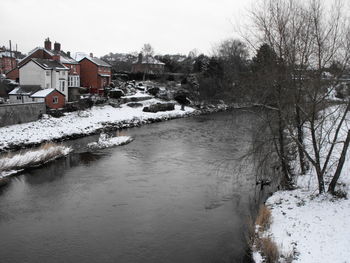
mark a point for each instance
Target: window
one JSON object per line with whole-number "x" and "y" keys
{"x": 48, "y": 73}
{"x": 19, "y": 97}
{"x": 63, "y": 85}
{"x": 33, "y": 99}
{"x": 55, "y": 100}
{"x": 47, "y": 85}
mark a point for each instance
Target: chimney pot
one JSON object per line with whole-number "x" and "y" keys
{"x": 91, "y": 55}
{"x": 68, "y": 53}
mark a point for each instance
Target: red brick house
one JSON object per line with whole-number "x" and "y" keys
{"x": 53, "y": 98}
{"x": 56, "y": 54}
{"x": 7, "y": 61}
{"x": 95, "y": 74}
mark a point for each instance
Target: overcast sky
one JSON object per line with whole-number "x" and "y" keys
{"x": 119, "y": 26}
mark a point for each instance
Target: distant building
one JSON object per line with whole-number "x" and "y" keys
{"x": 148, "y": 65}
{"x": 54, "y": 54}
{"x": 95, "y": 74}
{"x": 47, "y": 73}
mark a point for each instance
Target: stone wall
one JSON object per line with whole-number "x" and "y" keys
{"x": 20, "y": 113}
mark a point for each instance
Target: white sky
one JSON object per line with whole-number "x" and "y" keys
{"x": 119, "y": 26}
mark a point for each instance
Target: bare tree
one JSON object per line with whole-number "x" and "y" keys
{"x": 147, "y": 53}
{"x": 307, "y": 38}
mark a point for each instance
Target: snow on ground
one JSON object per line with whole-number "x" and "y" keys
{"x": 86, "y": 122}
{"x": 105, "y": 142}
{"x": 14, "y": 163}
{"x": 312, "y": 228}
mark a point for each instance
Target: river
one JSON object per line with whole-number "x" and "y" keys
{"x": 175, "y": 194}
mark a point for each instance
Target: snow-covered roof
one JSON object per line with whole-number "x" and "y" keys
{"x": 42, "y": 93}
{"x": 149, "y": 60}
{"x": 97, "y": 61}
{"x": 14, "y": 91}
{"x": 25, "y": 90}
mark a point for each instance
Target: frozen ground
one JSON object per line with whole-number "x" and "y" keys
{"x": 312, "y": 228}
{"x": 82, "y": 123}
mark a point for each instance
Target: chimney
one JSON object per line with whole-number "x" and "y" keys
{"x": 68, "y": 53}
{"x": 91, "y": 55}
{"x": 139, "y": 58}
{"x": 47, "y": 44}
{"x": 57, "y": 46}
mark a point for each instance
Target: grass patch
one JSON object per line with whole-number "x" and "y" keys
{"x": 263, "y": 220}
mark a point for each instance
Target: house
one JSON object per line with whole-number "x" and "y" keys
{"x": 47, "y": 73}
{"x": 7, "y": 61}
{"x": 148, "y": 65}
{"x": 95, "y": 74}
{"x": 53, "y": 98}
{"x": 22, "y": 93}
{"x": 57, "y": 54}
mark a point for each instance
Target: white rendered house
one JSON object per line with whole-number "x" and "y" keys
{"x": 47, "y": 73}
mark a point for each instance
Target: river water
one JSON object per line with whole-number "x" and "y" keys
{"x": 175, "y": 194}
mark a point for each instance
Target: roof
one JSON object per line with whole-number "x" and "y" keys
{"x": 149, "y": 60}
{"x": 97, "y": 61}
{"x": 33, "y": 51}
{"x": 47, "y": 64}
{"x": 43, "y": 93}
{"x": 25, "y": 90}
{"x": 64, "y": 58}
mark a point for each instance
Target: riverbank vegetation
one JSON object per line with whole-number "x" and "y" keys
{"x": 11, "y": 163}
{"x": 301, "y": 63}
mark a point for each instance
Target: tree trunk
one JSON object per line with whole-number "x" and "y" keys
{"x": 283, "y": 159}
{"x": 331, "y": 187}
{"x": 300, "y": 132}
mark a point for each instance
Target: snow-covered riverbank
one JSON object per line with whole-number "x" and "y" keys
{"x": 78, "y": 124}
{"x": 308, "y": 227}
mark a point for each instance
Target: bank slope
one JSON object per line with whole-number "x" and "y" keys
{"x": 83, "y": 123}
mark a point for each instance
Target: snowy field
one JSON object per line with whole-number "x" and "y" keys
{"x": 308, "y": 227}
{"x": 83, "y": 123}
